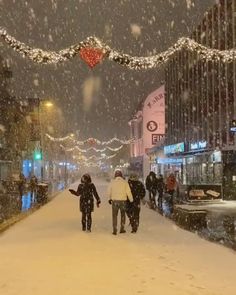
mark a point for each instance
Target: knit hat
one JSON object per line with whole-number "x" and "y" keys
{"x": 118, "y": 173}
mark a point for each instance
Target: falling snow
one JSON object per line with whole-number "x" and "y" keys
{"x": 135, "y": 30}
{"x": 59, "y": 121}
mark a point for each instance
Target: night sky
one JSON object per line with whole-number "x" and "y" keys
{"x": 96, "y": 102}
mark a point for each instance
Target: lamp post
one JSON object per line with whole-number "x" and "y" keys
{"x": 41, "y": 154}
{"x": 38, "y": 107}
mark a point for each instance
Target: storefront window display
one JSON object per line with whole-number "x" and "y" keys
{"x": 203, "y": 169}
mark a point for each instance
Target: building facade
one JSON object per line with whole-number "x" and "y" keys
{"x": 201, "y": 107}
{"x": 147, "y": 128}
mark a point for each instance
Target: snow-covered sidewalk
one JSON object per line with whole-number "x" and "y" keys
{"x": 48, "y": 254}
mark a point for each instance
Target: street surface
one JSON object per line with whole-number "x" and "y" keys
{"x": 48, "y": 254}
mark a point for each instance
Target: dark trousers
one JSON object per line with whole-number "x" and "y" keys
{"x": 86, "y": 220}
{"x": 160, "y": 199}
{"x": 171, "y": 200}
{"x": 116, "y": 207}
{"x": 21, "y": 190}
{"x": 152, "y": 195}
{"x": 134, "y": 217}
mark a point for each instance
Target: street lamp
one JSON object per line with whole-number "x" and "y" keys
{"x": 47, "y": 104}
{"x": 37, "y": 108}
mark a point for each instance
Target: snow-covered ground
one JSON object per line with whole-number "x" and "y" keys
{"x": 47, "y": 253}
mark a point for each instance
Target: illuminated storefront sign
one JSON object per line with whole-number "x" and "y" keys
{"x": 170, "y": 161}
{"x": 174, "y": 148}
{"x": 200, "y": 145}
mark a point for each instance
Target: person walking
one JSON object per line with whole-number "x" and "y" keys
{"x": 118, "y": 192}
{"x": 33, "y": 186}
{"x": 87, "y": 192}
{"x": 21, "y": 184}
{"x": 133, "y": 209}
{"x": 171, "y": 186}
{"x": 160, "y": 190}
{"x": 151, "y": 186}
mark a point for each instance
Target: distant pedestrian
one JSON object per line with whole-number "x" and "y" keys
{"x": 171, "y": 187}
{"x": 21, "y": 184}
{"x": 33, "y": 186}
{"x": 87, "y": 192}
{"x": 138, "y": 192}
{"x": 160, "y": 190}
{"x": 151, "y": 186}
{"x": 118, "y": 192}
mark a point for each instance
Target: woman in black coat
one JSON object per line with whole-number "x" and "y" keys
{"x": 87, "y": 192}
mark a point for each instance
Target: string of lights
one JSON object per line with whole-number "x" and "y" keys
{"x": 76, "y": 148}
{"x": 82, "y": 158}
{"x": 92, "y": 50}
{"x": 59, "y": 139}
{"x": 91, "y": 141}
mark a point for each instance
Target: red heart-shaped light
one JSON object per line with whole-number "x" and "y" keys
{"x": 91, "y": 56}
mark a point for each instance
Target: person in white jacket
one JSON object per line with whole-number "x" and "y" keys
{"x": 118, "y": 192}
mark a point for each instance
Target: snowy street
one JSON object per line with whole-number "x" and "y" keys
{"x": 47, "y": 253}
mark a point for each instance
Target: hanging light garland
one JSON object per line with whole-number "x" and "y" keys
{"x": 95, "y": 158}
{"x": 92, "y": 149}
{"x": 59, "y": 139}
{"x": 91, "y": 140}
{"x": 92, "y": 50}
{"x": 91, "y": 164}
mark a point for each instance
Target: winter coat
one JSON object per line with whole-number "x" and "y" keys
{"x": 171, "y": 183}
{"x": 33, "y": 183}
{"x": 87, "y": 192}
{"x": 151, "y": 182}
{"x": 137, "y": 190}
{"x": 119, "y": 190}
{"x": 22, "y": 181}
{"x": 160, "y": 184}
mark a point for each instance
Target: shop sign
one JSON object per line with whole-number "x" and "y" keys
{"x": 156, "y": 138}
{"x": 174, "y": 148}
{"x": 200, "y": 145}
{"x": 169, "y": 161}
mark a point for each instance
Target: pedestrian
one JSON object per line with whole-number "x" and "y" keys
{"x": 151, "y": 186}
{"x": 138, "y": 193}
{"x": 87, "y": 192}
{"x": 118, "y": 192}
{"x": 171, "y": 187}
{"x": 21, "y": 184}
{"x": 33, "y": 186}
{"x": 160, "y": 190}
